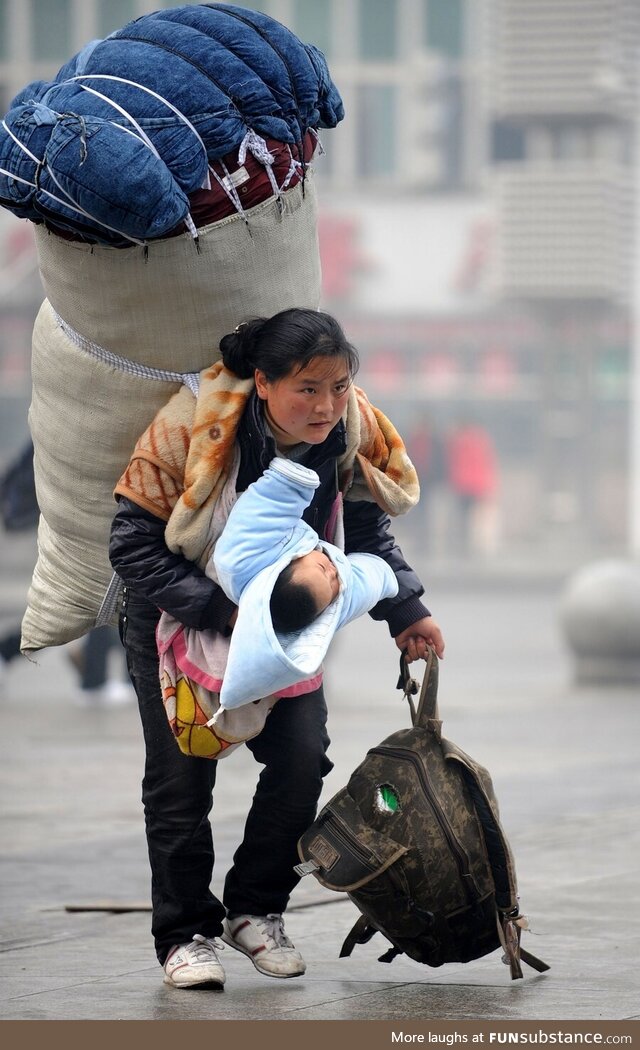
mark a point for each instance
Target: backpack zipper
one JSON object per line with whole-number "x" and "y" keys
{"x": 352, "y": 846}
{"x": 462, "y": 859}
{"x": 372, "y": 862}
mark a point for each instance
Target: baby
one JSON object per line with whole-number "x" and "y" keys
{"x": 293, "y": 589}
{"x": 303, "y": 590}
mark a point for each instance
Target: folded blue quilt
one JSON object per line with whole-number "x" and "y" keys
{"x": 112, "y": 148}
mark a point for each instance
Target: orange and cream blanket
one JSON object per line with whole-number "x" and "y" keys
{"x": 180, "y": 464}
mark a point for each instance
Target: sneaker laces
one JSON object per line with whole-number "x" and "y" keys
{"x": 272, "y": 926}
{"x": 204, "y": 947}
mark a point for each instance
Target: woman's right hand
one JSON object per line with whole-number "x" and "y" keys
{"x": 419, "y": 637}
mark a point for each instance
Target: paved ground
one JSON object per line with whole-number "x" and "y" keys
{"x": 565, "y": 766}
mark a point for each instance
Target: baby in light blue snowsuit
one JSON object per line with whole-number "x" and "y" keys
{"x": 293, "y": 590}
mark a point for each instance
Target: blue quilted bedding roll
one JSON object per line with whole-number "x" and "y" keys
{"x": 112, "y": 148}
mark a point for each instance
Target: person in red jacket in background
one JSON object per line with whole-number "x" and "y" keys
{"x": 472, "y": 472}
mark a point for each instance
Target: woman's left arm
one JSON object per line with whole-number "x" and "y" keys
{"x": 410, "y": 621}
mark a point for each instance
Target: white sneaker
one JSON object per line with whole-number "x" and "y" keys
{"x": 117, "y": 693}
{"x": 195, "y": 964}
{"x": 263, "y": 940}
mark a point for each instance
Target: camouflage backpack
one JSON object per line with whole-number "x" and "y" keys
{"x": 415, "y": 840}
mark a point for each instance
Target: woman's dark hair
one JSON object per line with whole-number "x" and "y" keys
{"x": 285, "y": 343}
{"x": 292, "y": 604}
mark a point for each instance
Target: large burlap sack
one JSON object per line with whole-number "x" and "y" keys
{"x": 110, "y": 316}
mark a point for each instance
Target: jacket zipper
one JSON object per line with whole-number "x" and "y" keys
{"x": 462, "y": 859}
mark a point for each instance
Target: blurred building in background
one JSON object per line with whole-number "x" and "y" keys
{"x": 564, "y": 97}
{"x": 476, "y": 233}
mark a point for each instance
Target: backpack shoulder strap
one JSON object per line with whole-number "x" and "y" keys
{"x": 360, "y": 933}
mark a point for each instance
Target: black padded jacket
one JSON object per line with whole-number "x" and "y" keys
{"x": 143, "y": 561}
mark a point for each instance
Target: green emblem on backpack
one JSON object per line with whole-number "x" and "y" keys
{"x": 387, "y": 800}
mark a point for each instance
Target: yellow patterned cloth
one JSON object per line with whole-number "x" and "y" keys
{"x": 200, "y": 728}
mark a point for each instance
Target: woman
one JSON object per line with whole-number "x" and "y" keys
{"x": 284, "y": 387}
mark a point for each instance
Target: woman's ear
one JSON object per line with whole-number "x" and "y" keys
{"x": 261, "y": 384}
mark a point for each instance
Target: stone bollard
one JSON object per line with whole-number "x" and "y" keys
{"x": 600, "y": 619}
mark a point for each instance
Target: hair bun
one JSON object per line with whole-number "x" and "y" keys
{"x": 238, "y": 348}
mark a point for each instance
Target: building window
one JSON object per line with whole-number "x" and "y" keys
{"x": 114, "y": 14}
{"x": 377, "y": 30}
{"x": 507, "y": 142}
{"x": 376, "y": 130}
{"x": 444, "y": 26}
{"x": 51, "y": 20}
{"x": 312, "y": 23}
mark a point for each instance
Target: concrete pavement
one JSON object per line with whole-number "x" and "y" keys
{"x": 565, "y": 766}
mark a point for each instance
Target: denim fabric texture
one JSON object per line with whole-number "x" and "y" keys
{"x": 177, "y": 798}
{"x": 116, "y": 143}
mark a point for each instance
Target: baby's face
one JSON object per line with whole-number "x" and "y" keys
{"x": 317, "y": 572}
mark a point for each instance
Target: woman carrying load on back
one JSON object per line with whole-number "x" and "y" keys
{"x": 284, "y": 387}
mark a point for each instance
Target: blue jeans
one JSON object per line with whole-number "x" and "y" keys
{"x": 177, "y": 798}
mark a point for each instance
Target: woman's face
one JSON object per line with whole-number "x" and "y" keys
{"x": 306, "y": 405}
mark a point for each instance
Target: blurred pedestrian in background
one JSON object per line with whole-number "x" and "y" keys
{"x": 472, "y": 474}
{"x": 100, "y": 683}
{"x": 91, "y": 657}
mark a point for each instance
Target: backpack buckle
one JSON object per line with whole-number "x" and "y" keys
{"x": 306, "y": 868}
